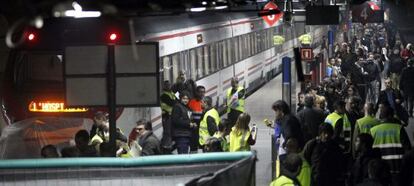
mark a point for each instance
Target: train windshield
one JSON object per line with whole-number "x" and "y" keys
{"x": 38, "y": 69}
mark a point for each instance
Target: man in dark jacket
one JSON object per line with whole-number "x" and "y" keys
{"x": 82, "y": 143}
{"x": 290, "y": 127}
{"x": 359, "y": 77}
{"x": 167, "y": 101}
{"x": 407, "y": 86}
{"x": 147, "y": 140}
{"x": 372, "y": 78}
{"x": 396, "y": 67}
{"x": 348, "y": 60}
{"x": 310, "y": 118}
{"x": 364, "y": 154}
{"x": 181, "y": 124}
{"x": 331, "y": 95}
{"x": 393, "y": 98}
{"x": 326, "y": 158}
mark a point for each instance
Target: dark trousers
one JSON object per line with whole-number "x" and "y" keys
{"x": 408, "y": 103}
{"x": 361, "y": 88}
{"x": 194, "y": 144}
{"x": 183, "y": 144}
{"x": 166, "y": 140}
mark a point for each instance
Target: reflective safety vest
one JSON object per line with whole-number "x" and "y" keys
{"x": 346, "y": 132}
{"x": 366, "y": 123}
{"x": 305, "y": 39}
{"x": 167, "y": 108}
{"x": 238, "y": 140}
{"x": 236, "y": 105}
{"x": 278, "y": 40}
{"x": 283, "y": 181}
{"x": 203, "y": 132}
{"x": 304, "y": 176}
{"x": 387, "y": 139}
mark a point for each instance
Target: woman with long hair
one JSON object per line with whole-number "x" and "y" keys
{"x": 241, "y": 137}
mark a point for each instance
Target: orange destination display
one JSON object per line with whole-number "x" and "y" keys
{"x": 49, "y": 106}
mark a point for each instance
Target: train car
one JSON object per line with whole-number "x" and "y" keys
{"x": 209, "y": 48}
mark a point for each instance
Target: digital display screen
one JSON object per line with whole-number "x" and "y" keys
{"x": 48, "y": 106}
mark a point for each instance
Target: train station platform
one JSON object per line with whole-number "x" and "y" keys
{"x": 259, "y": 105}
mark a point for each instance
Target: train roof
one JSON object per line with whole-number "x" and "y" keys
{"x": 59, "y": 32}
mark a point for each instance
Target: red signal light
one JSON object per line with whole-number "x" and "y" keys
{"x": 113, "y": 36}
{"x": 31, "y": 36}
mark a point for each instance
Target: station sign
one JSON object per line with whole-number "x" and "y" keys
{"x": 271, "y": 19}
{"x": 306, "y": 54}
{"x": 368, "y": 12}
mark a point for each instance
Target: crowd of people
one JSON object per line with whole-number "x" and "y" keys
{"x": 350, "y": 129}
{"x": 347, "y": 130}
{"x": 190, "y": 122}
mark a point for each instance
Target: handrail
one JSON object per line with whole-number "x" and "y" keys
{"x": 123, "y": 162}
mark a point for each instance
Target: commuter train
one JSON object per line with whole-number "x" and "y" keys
{"x": 209, "y": 48}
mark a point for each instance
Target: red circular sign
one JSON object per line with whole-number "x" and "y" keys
{"x": 271, "y": 19}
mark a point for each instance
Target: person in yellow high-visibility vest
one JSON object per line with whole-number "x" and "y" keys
{"x": 291, "y": 168}
{"x": 304, "y": 175}
{"x": 278, "y": 40}
{"x": 305, "y": 40}
{"x": 341, "y": 124}
{"x": 241, "y": 137}
{"x": 168, "y": 100}
{"x": 235, "y": 101}
{"x": 364, "y": 124}
{"x": 209, "y": 122}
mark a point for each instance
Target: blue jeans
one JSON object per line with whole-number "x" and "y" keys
{"x": 183, "y": 144}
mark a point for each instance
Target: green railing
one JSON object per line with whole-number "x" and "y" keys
{"x": 123, "y": 162}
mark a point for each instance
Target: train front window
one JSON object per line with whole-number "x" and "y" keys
{"x": 35, "y": 69}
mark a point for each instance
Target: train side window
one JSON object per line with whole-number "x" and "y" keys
{"x": 166, "y": 63}
{"x": 242, "y": 48}
{"x": 206, "y": 60}
{"x": 241, "y": 53}
{"x": 248, "y": 45}
{"x": 264, "y": 37}
{"x": 259, "y": 40}
{"x": 184, "y": 64}
{"x": 253, "y": 41}
{"x": 269, "y": 38}
{"x": 200, "y": 62}
{"x": 193, "y": 64}
{"x": 224, "y": 53}
{"x": 264, "y": 47}
{"x": 213, "y": 57}
{"x": 236, "y": 49}
{"x": 229, "y": 51}
{"x": 175, "y": 65}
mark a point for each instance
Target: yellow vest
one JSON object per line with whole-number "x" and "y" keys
{"x": 278, "y": 40}
{"x": 304, "y": 176}
{"x": 237, "y": 105}
{"x": 305, "y": 39}
{"x": 238, "y": 140}
{"x": 164, "y": 107}
{"x": 203, "y": 132}
{"x": 346, "y": 132}
{"x": 283, "y": 181}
